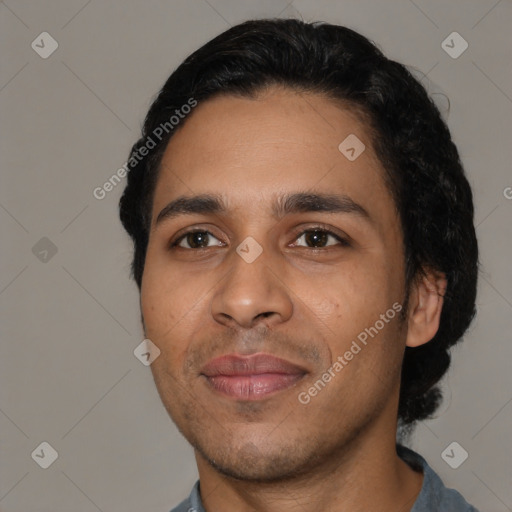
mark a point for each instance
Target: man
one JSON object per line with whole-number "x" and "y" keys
{"x": 306, "y": 256}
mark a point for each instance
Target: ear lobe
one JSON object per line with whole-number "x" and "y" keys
{"x": 425, "y": 306}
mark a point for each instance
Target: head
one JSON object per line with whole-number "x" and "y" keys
{"x": 336, "y": 243}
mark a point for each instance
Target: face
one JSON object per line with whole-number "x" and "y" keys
{"x": 274, "y": 296}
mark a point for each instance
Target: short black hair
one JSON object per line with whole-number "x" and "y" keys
{"x": 423, "y": 169}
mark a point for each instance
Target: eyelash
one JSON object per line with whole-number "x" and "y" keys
{"x": 342, "y": 241}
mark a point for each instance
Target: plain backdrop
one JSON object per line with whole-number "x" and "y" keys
{"x": 70, "y": 314}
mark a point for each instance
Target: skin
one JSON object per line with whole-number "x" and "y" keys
{"x": 295, "y": 301}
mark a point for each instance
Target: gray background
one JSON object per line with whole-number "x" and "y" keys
{"x": 70, "y": 320}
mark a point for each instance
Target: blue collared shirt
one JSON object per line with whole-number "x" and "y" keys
{"x": 434, "y": 496}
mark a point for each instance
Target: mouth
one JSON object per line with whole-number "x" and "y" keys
{"x": 254, "y": 377}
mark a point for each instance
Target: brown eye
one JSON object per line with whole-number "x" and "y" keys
{"x": 316, "y": 238}
{"x": 196, "y": 240}
{"x": 319, "y": 239}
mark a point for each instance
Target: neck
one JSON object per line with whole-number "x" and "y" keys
{"x": 366, "y": 475}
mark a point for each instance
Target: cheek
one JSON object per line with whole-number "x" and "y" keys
{"x": 173, "y": 305}
{"x": 347, "y": 301}
{"x": 163, "y": 296}
{"x": 347, "y": 293}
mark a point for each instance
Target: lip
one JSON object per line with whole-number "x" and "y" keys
{"x": 253, "y": 377}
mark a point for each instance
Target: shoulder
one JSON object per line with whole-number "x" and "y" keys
{"x": 434, "y": 495}
{"x": 184, "y": 506}
{"x": 192, "y": 503}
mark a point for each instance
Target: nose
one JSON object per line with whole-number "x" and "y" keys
{"x": 251, "y": 293}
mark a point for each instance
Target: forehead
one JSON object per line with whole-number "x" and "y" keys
{"x": 249, "y": 149}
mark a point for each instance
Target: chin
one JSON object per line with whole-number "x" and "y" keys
{"x": 251, "y": 463}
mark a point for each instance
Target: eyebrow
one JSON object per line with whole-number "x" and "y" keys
{"x": 300, "y": 202}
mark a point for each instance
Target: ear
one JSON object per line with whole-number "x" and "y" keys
{"x": 425, "y": 306}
